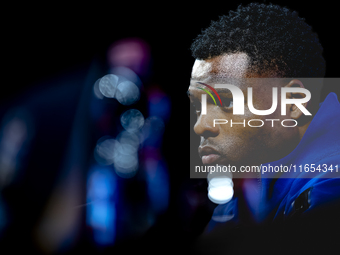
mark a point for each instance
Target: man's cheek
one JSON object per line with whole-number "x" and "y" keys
{"x": 236, "y": 145}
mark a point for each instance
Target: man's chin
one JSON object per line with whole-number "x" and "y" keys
{"x": 211, "y": 159}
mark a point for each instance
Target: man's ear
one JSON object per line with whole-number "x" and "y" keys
{"x": 294, "y": 112}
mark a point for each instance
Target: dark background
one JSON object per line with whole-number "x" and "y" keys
{"x": 43, "y": 42}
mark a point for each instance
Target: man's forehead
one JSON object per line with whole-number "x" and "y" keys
{"x": 224, "y": 66}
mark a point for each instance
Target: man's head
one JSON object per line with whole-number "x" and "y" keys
{"x": 244, "y": 49}
{"x": 276, "y": 40}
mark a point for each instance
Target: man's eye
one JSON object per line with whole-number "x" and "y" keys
{"x": 227, "y": 103}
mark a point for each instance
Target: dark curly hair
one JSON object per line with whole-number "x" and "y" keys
{"x": 274, "y": 37}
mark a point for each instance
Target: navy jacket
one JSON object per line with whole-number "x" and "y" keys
{"x": 294, "y": 211}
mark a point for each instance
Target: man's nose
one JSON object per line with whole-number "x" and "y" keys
{"x": 205, "y": 126}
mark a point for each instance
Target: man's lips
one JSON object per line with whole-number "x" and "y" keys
{"x": 208, "y": 154}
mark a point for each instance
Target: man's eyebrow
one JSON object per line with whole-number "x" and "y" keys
{"x": 193, "y": 80}
{"x": 218, "y": 90}
{"x": 223, "y": 91}
{"x": 197, "y": 78}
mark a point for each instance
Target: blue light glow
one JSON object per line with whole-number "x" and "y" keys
{"x": 101, "y": 209}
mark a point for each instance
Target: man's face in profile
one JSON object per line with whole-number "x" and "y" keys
{"x": 239, "y": 144}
